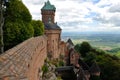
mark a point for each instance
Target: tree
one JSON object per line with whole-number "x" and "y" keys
{"x": 85, "y": 48}
{"x": 109, "y": 64}
{"x": 90, "y": 58}
{"x": 17, "y": 26}
{"x": 77, "y": 47}
{"x": 95, "y": 77}
{"x": 110, "y": 68}
{"x": 38, "y": 27}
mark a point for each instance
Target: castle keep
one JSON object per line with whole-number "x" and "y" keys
{"x": 52, "y": 30}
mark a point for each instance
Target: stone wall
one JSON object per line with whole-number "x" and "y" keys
{"x": 62, "y": 48}
{"x": 48, "y": 14}
{"x": 24, "y": 61}
{"x": 53, "y": 40}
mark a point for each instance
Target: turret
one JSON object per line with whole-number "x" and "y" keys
{"x": 52, "y": 30}
{"x": 48, "y": 12}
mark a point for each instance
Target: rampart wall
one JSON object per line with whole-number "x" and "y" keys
{"x": 24, "y": 61}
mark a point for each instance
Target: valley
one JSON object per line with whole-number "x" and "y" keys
{"x": 109, "y": 42}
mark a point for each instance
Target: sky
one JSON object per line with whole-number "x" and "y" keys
{"x": 81, "y": 15}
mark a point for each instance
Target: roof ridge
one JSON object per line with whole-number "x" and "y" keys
{"x": 70, "y": 41}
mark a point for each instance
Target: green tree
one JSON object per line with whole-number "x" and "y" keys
{"x": 110, "y": 68}
{"x": 90, "y": 58}
{"x": 77, "y": 47}
{"x": 17, "y": 26}
{"x": 95, "y": 77}
{"x": 38, "y": 27}
{"x": 85, "y": 48}
{"x": 109, "y": 64}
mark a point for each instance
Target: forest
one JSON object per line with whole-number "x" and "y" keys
{"x": 109, "y": 64}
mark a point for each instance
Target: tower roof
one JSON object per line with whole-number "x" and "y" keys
{"x": 52, "y": 26}
{"x": 48, "y": 6}
{"x": 70, "y": 42}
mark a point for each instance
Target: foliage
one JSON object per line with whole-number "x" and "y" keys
{"x": 17, "y": 11}
{"x": 109, "y": 64}
{"x": 59, "y": 78}
{"x": 77, "y": 48}
{"x": 38, "y": 27}
{"x": 118, "y": 54}
{"x": 110, "y": 67}
{"x": 17, "y": 26}
{"x": 83, "y": 48}
{"x": 98, "y": 51}
{"x": 45, "y": 68}
{"x": 61, "y": 63}
{"x": 90, "y": 58}
{"x": 95, "y": 77}
{"x": 115, "y": 51}
{"x": 57, "y": 62}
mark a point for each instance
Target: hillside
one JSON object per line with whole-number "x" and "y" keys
{"x": 109, "y": 64}
{"x": 114, "y": 51}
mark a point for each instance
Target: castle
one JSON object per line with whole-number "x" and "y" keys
{"x": 52, "y": 30}
{"x": 24, "y": 61}
{"x": 55, "y": 46}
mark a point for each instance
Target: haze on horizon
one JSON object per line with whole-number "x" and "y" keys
{"x": 81, "y": 15}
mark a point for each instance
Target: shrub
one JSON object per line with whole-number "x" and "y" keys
{"x": 45, "y": 68}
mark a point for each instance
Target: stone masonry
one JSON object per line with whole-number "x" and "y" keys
{"x": 24, "y": 61}
{"x": 52, "y": 30}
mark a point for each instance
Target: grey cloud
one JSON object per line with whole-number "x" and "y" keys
{"x": 64, "y": 10}
{"x": 116, "y": 20}
{"x": 115, "y": 8}
{"x": 100, "y": 19}
{"x": 113, "y": 20}
{"x": 71, "y": 24}
{"x": 38, "y": 2}
{"x": 34, "y": 2}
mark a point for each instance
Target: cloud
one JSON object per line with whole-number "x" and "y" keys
{"x": 81, "y": 15}
{"x": 115, "y": 20}
{"x": 115, "y": 8}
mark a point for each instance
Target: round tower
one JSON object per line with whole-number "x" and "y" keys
{"x": 48, "y": 12}
{"x": 52, "y": 30}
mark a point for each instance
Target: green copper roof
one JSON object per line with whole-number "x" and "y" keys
{"x": 48, "y": 6}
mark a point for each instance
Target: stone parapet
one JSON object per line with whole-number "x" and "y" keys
{"x": 24, "y": 61}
